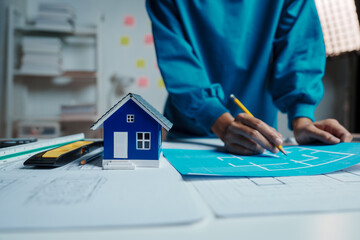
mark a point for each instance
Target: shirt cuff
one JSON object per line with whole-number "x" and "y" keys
{"x": 300, "y": 110}
{"x": 209, "y": 112}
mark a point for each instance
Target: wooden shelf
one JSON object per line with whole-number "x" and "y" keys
{"x": 18, "y": 73}
{"x": 61, "y": 118}
{"x": 78, "y": 118}
{"x": 83, "y": 31}
{"x": 79, "y": 74}
{"x": 71, "y": 74}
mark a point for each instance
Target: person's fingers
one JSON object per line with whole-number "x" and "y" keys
{"x": 334, "y": 127}
{"x": 347, "y": 137}
{"x": 269, "y": 134}
{"x": 279, "y": 134}
{"x": 318, "y": 134}
{"x": 238, "y": 143}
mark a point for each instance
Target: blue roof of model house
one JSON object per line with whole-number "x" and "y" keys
{"x": 142, "y": 103}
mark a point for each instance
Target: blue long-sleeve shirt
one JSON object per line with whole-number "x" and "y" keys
{"x": 270, "y": 54}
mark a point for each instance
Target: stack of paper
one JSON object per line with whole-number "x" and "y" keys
{"x": 41, "y": 55}
{"x": 78, "y": 112}
{"x": 56, "y": 16}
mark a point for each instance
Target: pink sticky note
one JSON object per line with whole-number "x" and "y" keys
{"x": 143, "y": 82}
{"x": 129, "y": 21}
{"x": 148, "y": 39}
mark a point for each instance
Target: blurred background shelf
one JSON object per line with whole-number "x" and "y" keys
{"x": 38, "y": 60}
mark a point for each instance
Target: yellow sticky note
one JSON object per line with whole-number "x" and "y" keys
{"x": 124, "y": 40}
{"x": 161, "y": 83}
{"x": 141, "y": 63}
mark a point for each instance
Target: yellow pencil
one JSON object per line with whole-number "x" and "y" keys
{"x": 237, "y": 101}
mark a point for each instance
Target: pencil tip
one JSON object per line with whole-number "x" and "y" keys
{"x": 232, "y": 96}
{"x": 281, "y": 149}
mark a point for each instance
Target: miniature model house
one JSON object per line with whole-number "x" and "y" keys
{"x": 132, "y": 133}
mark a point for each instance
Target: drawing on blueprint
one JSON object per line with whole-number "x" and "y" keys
{"x": 298, "y": 157}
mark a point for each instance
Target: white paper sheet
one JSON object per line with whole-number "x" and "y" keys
{"x": 230, "y": 197}
{"x": 86, "y": 196}
{"x": 243, "y": 196}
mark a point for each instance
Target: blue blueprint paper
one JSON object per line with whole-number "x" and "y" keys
{"x": 301, "y": 160}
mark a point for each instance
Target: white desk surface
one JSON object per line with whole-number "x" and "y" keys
{"x": 335, "y": 225}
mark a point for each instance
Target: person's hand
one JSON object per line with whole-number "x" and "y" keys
{"x": 328, "y": 131}
{"x": 246, "y": 135}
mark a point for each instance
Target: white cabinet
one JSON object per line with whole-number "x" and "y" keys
{"x": 70, "y": 100}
